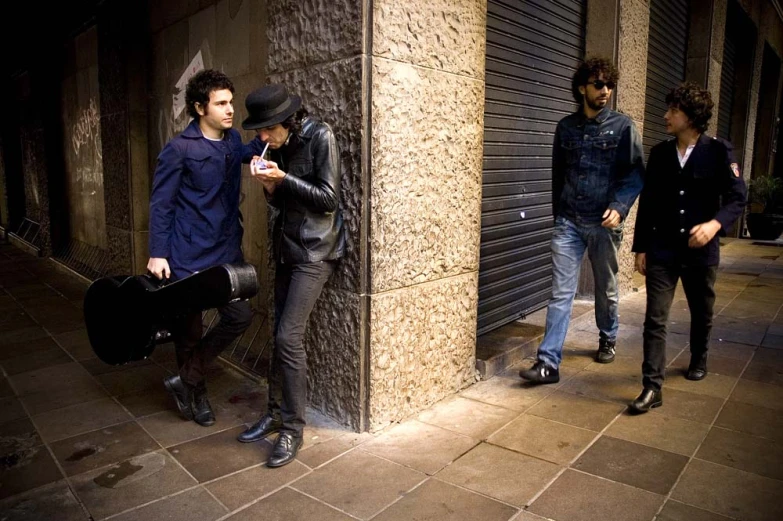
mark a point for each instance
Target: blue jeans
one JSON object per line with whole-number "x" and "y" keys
{"x": 569, "y": 242}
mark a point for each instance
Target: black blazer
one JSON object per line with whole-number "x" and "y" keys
{"x": 676, "y": 199}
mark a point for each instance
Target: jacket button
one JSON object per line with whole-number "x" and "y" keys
{"x": 682, "y": 212}
{"x": 682, "y": 230}
{"x": 682, "y": 192}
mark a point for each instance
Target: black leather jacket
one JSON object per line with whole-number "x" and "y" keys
{"x": 309, "y": 227}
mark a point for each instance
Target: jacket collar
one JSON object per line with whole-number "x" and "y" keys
{"x": 600, "y": 117}
{"x": 192, "y": 131}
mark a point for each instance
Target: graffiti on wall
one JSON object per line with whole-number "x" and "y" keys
{"x": 86, "y": 143}
{"x": 172, "y": 121}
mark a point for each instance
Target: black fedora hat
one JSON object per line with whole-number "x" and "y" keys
{"x": 269, "y": 106}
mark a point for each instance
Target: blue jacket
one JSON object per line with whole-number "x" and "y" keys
{"x": 597, "y": 164}
{"x": 194, "y": 206}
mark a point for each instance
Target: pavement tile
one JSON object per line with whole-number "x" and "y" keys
{"x": 760, "y": 394}
{"x": 13, "y": 350}
{"x": 507, "y": 392}
{"x": 80, "y": 418}
{"x": 715, "y": 385}
{"x": 237, "y": 490}
{"x": 579, "y": 411}
{"x": 637, "y": 465}
{"x": 315, "y": 455}
{"x": 11, "y": 409}
{"x": 500, "y": 473}
{"x": 423, "y": 447}
{"x": 730, "y": 492}
{"x": 35, "y": 360}
{"x": 5, "y": 388}
{"x": 78, "y": 392}
{"x": 219, "y": 454}
{"x": 439, "y": 501}
{"x": 627, "y": 366}
{"x": 758, "y": 421}
{"x": 18, "y": 434}
{"x": 773, "y": 341}
{"x": 22, "y": 335}
{"x": 77, "y": 343}
{"x": 50, "y": 502}
{"x": 102, "y": 447}
{"x": 133, "y": 379}
{"x": 287, "y": 505}
{"x": 739, "y": 336}
{"x": 576, "y": 496}
{"x": 469, "y": 417}
{"x": 145, "y": 403}
{"x": 194, "y": 504}
{"x": 676, "y": 511}
{"x": 734, "y": 350}
{"x": 689, "y": 406}
{"x": 25, "y": 466}
{"x": 604, "y": 387}
{"x": 545, "y": 439}
{"x": 169, "y": 428}
{"x": 14, "y": 319}
{"x": 360, "y": 495}
{"x": 766, "y": 367}
{"x": 715, "y": 364}
{"x": 95, "y": 366}
{"x": 131, "y": 483}
{"x": 49, "y": 379}
{"x": 659, "y": 431}
{"x": 744, "y": 452}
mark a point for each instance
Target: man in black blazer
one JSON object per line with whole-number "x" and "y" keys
{"x": 693, "y": 192}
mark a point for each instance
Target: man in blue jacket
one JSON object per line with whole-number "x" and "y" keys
{"x": 597, "y": 173}
{"x": 195, "y": 224}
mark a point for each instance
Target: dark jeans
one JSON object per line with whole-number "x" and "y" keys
{"x": 698, "y": 283}
{"x": 194, "y": 354}
{"x": 297, "y": 287}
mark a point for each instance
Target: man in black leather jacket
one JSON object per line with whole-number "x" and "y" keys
{"x": 301, "y": 178}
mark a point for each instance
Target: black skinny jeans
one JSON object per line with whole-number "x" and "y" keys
{"x": 297, "y": 287}
{"x": 194, "y": 354}
{"x": 699, "y": 285}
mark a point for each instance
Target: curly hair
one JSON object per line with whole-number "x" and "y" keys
{"x": 201, "y": 85}
{"x": 592, "y": 67}
{"x": 294, "y": 122}
{"x": 694, "y": 101}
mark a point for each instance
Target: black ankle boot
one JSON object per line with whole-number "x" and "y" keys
{"x": 649, "y": 399}
{"x": 606, "y": 351}
{"x": 202, "y": 410}
{"x": 697, "y": 369}
{"x": 183, "y": 395}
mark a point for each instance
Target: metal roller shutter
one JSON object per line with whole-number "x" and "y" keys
{"x": 666, "y": 54}
{"x": 533, "y": 47}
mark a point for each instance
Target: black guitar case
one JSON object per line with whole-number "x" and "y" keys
{"x": 126, "y": 317}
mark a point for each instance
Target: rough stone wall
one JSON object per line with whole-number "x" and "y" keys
{"x": 316, "y": 49}
{"x": 632, "y": 63}
{"x": 427, "y": 131}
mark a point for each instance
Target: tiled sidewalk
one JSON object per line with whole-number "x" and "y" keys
{"x": 82, "y": 440}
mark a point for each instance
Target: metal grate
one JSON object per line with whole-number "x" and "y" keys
{"x": 28, "y": 233}
{"x": 85, "y": 259}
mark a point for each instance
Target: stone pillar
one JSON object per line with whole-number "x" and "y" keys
{"x": 705, "y": 49}
{"x": 403, "y": 87}
{"x": 122, "y": 36}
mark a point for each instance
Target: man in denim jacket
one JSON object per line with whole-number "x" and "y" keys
{"x": 597, "y": 174}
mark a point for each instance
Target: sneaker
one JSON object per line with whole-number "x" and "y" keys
{"x": 606, "y": 351}
{"x": 541, "y": 373}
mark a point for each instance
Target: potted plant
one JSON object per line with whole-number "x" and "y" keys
{"x": 765, "y": 202}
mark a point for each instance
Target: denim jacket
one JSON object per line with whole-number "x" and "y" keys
{"x": 597, "y": 164}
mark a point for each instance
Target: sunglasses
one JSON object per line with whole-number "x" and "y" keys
{"x": 599, "y": 85}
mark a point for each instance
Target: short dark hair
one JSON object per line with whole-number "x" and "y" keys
{"x": 294, "y": 122}
{"x": 595, "y": 67}
{"x": 694, "y": 101}
{"x": 201, "y": 85}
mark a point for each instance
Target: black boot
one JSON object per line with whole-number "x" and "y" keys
{"x": 261, "y": 429}
{"x": 286, "y": 447}
{"x": 697, "y": 369}
{"x": 606, "y": 350}
{"x": 649, "y": 399}
{"x": 541, "y": 373}
{"x": 202, "y": 410}
{"x": 183, "y": 395}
